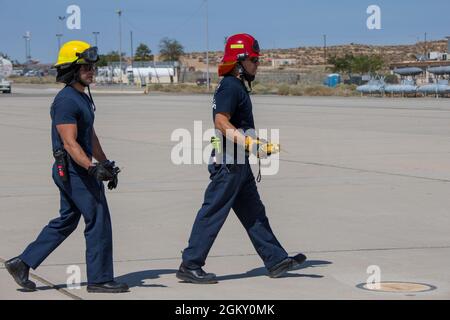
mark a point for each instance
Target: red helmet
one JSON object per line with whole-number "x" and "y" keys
{"x": 238, "y": 47}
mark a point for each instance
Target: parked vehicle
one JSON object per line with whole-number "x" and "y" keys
{"x": 202, "y": 81}
{"x": 5, "y": 86}
{"x": 32, "y": 73}
{"x": 17, "y": 72}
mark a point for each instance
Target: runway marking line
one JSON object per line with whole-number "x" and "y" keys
{"x": 48, "y": 283}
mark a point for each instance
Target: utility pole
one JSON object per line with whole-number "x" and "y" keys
{"x": 207, "y": 49}
{"x": 426, "y": 49}
{"x": 132, "y": 57}
{"x": 96, "y": 33}
{"x": 119, "y": 13}
{"x": 131, "y": 42}
{"x": 325, "y": 48}
{"x": 59, "y": 35}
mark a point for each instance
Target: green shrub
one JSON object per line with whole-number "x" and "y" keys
{"x": 296, "y": 90}
{"x": 283, "y": 90}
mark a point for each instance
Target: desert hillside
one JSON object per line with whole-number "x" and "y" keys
{"x": 313, "y": 56}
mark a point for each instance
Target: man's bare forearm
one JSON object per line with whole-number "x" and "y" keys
{"x": 230, "y": 131}
{"x": 97, "y": 150}
{"x": 77, "y": 154}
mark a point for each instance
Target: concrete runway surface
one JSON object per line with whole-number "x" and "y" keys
{"x": 364, "y": 182}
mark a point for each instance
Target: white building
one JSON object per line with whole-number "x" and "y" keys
{"x": 137, "y": 75}
{"x": 283, "y": 62}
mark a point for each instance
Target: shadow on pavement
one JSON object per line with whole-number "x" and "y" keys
{"x": 258, "y": 272}
{"x": 134, "y": 279}
{"x": 138, "y": 279}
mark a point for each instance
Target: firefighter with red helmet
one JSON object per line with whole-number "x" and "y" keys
{"x": 233, "y": 184}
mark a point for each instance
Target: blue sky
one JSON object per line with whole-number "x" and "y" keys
{"x": 280, "y": 24}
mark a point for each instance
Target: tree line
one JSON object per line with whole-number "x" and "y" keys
{"x": 362, "y": 64}
{"x": 169, "y": 50}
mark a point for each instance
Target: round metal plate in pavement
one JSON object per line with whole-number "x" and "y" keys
{"x": 396, "y": 287}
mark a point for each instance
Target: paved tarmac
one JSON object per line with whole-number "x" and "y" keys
{"x": 363, "y": 182}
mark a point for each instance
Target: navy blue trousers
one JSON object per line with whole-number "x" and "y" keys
{"x": 232, "y": 186}
{"x": 83, "y": 196}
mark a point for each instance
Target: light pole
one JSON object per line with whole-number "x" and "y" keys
{"x": 96, "y": 33}
{"x": 59, "y": 35}
{"x": 119, "y": 13}
{"x": 27, "y": 38}
{"x": 61, "y": 19}
{"x": 132, "y": 53}
{"x": 207, "y": 49}
{"x": 26, "y": 48}
{"x": 132, "y": 57}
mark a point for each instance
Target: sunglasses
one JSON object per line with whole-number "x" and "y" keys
{"x": 88, "y": 67}
{"x": 254, "y": 59}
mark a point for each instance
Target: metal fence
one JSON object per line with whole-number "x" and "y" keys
{"x": 263, "y": 77}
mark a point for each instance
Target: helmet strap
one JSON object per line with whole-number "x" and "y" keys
{"x": 245, "y": 76}
{"x": 90, "y": 97}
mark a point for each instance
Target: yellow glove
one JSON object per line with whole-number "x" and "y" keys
{"x": 263, "y": 147}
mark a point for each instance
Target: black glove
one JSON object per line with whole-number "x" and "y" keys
{"x": 113, "y": 183}
{"x": 101, "y": 171}
{"x": 111, "y": 165}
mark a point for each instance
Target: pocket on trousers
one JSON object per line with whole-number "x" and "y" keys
{"x": 213, "y": 169}
{"x": 231, "y": 168}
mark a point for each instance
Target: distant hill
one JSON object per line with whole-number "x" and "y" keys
{"x": 312, "y": 56}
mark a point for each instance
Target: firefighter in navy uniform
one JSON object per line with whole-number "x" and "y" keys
{"x": 78, "y": 178}
{"x": 232, "y": 184}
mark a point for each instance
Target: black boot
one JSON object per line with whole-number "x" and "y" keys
{"x": 288, "y": 264}
{"x": 20, "y": 272}
{"x": 108, "y": 287}
{"x": 197, "y": 276}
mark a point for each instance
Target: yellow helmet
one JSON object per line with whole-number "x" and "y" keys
{"x": 79, "y": 52}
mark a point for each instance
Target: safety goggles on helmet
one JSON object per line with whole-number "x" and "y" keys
{"x": 243, "y": 56}
{"x": 255, "y": 46}
{"x": 90, "y": 55}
